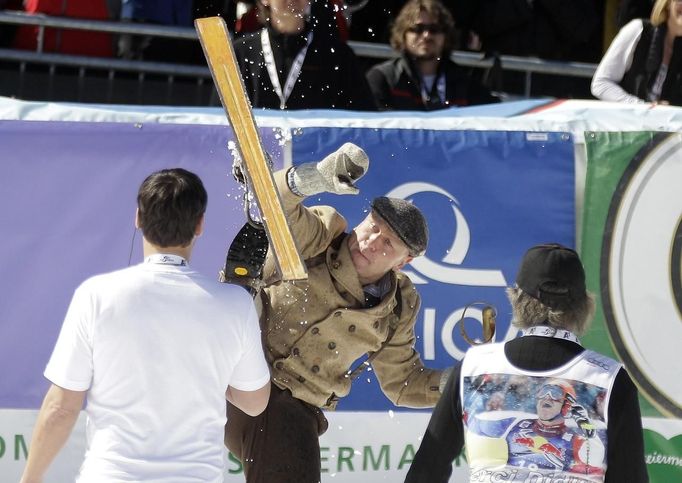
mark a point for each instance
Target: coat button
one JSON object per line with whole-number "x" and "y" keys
{"x": 351, "y": 328}
{"x": 315, "y": 331}
{"x": 376, "y": 324}
{"x": 279, "y": 364}
{"x": 295, "y": 351}
{"x": 301, "y": 379}
{"x": 315, "y": 369}
{"x": 332, "y": 345}
{"x": 336, "y": 265}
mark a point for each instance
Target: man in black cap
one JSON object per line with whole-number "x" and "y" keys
{"x": 564, "y": 442}
{"x": 355, "y": 302}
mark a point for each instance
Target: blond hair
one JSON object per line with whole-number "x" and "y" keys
{"x": 660, "y": 12}
{"x": 528, "y": 312}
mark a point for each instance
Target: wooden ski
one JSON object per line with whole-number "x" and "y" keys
{"x": 217, "y": 46}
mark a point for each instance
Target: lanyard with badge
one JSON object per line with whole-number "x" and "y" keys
{"x": 295, "y": 71}
{"x": 165, "y": 259}
{"x": 440, "y": 91}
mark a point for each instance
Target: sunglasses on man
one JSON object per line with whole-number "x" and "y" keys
{"x": 431, "y": 28}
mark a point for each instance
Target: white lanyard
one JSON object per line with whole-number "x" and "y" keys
{"x": 295, "y": 71}
{"x": 440, "y": 89}
{"x": 165, "y": 259}
{"x": 546, "y": 331}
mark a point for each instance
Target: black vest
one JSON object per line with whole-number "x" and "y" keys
{"x": 646, "y": 61}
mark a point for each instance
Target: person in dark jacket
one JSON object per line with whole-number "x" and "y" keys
{"x": 563, "y": 441}
{"x": 644, "y": 61}
{"x": 423, "y": 77}
{"x": 549, "y": 29}
{"x": 291, "y": 65}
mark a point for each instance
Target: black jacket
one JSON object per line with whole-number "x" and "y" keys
{"x": 549, "y": 29}
{"x": 444, "y": 438}
{"x": 396, "y": 85}
{"x": 329, "y": 78}
{"x": 646, "y": 62}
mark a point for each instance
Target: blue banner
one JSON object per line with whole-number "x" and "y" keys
{"x": 487, "y": 196}
{"x": 70, "y": 190}
{"x": 69, "y": 196}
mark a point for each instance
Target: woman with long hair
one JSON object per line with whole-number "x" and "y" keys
{"x": 644, "y": 61}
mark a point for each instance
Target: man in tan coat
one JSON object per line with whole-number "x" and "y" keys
{"x": 355, "y": 302}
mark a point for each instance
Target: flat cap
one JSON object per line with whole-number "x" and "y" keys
{"x": 406, "y": 220}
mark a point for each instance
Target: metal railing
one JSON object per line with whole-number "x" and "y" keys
{"x": 527, "y": 65}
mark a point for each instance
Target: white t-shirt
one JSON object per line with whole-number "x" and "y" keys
{"x": 156, "y": 346}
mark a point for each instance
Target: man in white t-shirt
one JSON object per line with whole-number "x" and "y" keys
{"x": 156, "y": 349}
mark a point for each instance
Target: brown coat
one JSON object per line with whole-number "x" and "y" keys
{"x": 314, "y": 330}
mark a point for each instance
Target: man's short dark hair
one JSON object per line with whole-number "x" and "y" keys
{"x": 171, "y": 203}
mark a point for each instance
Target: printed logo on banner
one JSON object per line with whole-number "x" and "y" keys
{"x": 642, "y": 295}
{"x": 458, "y": 250}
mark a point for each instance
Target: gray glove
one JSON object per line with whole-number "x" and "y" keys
{"x": 336, "y": 173}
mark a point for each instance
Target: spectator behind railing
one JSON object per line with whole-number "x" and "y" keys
{"x": 64, "y": 41}
{"x": 292, "y": 64}
{"x": 7, "y": 31}
{"x": 549, "y": 29}
{"x": 325, "y": 14}
{"x": 644, "y": 61}
{"x": 423, "y": 77}
{"x": 176, "y": 13}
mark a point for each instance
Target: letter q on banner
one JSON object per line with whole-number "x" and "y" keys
{"x": 457, "y": 252}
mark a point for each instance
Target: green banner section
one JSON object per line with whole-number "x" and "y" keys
{"x": 608, "y": 155}
{"x": 631, "y": 249}
{"x": 663, "y": 457}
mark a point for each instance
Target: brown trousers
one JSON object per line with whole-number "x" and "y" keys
{"x": 280, "y": 445}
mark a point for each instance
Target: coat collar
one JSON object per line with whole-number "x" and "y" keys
{"x": 343, "y": 272}
{"x": 407, "y": 65}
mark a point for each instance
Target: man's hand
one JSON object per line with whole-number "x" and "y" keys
{"x": 337, "y": 173}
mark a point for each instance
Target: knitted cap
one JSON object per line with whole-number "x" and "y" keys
{"x": 553, "y": 274}
{"x": 406, "y": 220}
